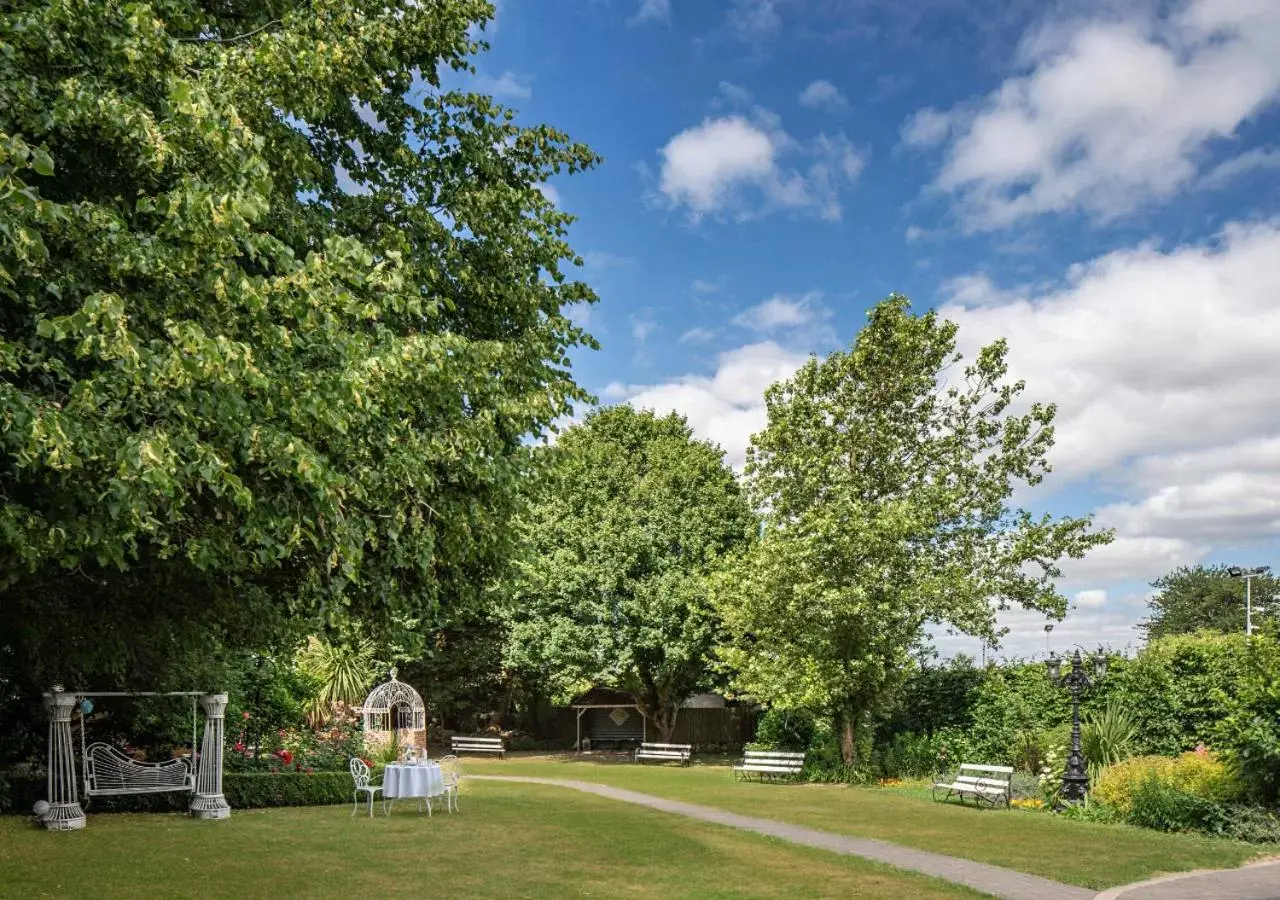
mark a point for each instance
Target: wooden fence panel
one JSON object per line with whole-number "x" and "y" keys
{"x": 729, "y": 725}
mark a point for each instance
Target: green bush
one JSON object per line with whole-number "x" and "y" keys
{"x": 1024, "y": 786}
{"x": 1180, "y": 688}
{"x": 906, "y": 755}
{"x": 1222, "y": 690}
{"x": 250, "y": 790}
{"x": 1162, "y": 806}
{"x": 785, "y": 729}
{"x": 1250, "y": 733}
{"x": 1156, "y": 803}
{"x": 1197, "y": 774}
{"x": 1091, "y": 811}
{"x": 1107, "y": 737}
{"x": 243, "y": 790}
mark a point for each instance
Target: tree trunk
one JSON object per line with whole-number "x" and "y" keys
{"x": 662, "y": 717}
{"x": 847, "y": 720}
{"x": 504, "y": 705}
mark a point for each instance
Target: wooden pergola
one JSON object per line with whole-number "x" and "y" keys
{"x": 604, "y": 698}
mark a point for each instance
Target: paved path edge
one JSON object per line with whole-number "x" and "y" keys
{"x": 992, "y": 880}
{"x": 1120, "y": 890}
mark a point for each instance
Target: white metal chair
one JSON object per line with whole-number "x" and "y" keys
{"x": 363, "y": 784}
{"x": 451, "y": 773}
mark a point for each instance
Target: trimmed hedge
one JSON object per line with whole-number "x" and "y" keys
{"x": 243, "y": 790}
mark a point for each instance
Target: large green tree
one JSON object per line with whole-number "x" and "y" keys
{"x": 613, "y": 588}
{"x": 1192, "y": 598}
{"x": 278, "y": 316}
{"x": 885, "y": 474}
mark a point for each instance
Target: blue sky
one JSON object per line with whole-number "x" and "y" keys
{"x": 1099, "y": 183}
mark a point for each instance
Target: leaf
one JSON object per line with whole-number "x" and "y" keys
{"x": 42, "y": 162}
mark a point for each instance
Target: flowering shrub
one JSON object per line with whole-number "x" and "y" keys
{"x": 325, "y": 749}
{"x": 1198, "y": 773}
{"x": 1052, "y": 768}
{"x": 1027, "y": 803}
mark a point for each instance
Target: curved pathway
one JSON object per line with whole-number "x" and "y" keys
{"x": 988, "y": 879}
{"x": 1252, "y": 881}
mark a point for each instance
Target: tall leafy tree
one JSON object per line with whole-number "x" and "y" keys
{"x": 634, "y": 517}
{"x": 886, "y": 483}
{"x": 278, "y": 315}
{"x": 1194, "y": 598}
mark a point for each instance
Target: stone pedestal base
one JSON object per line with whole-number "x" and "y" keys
{"x": 63, "y": 817}
{"x": 210, "y": 806}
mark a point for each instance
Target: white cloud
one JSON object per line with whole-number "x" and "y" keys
{"x": 727, "y": 407}
{"x": 1110, "y": 114}
{"x": 507, "y": 86}
{"x": 915, "y": 233}
{"x": 703, "y": 164}
{"x": 782, "y": 311}
{"x": 976, "y": 290}
{"x": 1091, "y": 598}
{"x": 701, "y": 286}
{"x": 642, "y": 326}
{"x": 697, "y": 335}
{"x": 580, "y": 314}
{"x": 926, "y": 127}
{"x": 549, "y": 191}
{"x": 599, "y": 261}
{"x": 734, "y": 94}
{"x": 1164, "y": 366}
{"x": 1132, "y": 559}
{"x": 1147, "y": 351}
{"x": 822, "y": 94}
{"x": 754, "y": 20}
{"x": 732, "y": 164}
{"x": 651, "y": 11}
{"x": 1258, "y": 159}
{"x": 1113, "y": 624}
{"x": 1224, "y": 494}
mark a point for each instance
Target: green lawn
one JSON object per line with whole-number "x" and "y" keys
{"x": 1087, "y": 854}
{"x": 510, "y": 841}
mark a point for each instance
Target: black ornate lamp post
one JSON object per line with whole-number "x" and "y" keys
{"x": 1075, "y": 781}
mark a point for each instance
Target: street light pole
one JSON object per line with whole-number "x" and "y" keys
{"x": 1248, "y": 575}
{"x": 1075, "y": 780}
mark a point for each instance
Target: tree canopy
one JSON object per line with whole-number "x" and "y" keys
{"x": 885, "y": 476}
{"x": 633, "y": 518}
{"x": 1192, "y": 598}
{"x": 278, "y": 316}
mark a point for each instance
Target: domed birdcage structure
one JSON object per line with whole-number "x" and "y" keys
{"x": 395, "y": 708}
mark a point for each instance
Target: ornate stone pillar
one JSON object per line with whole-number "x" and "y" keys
{"x": 64, "y": 812}
{"x": 208, "y": 802}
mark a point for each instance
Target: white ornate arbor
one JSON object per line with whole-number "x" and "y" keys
{"x": 394, "y": 706}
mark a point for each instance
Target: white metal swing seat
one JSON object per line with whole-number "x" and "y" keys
{"x": 107, "y": 771}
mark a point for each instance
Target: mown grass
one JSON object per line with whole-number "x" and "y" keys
{"x": 1082, "y": 853}
{"x": 509, "y": 841}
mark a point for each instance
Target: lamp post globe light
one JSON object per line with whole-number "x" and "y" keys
{"x": 1075, "y": 780}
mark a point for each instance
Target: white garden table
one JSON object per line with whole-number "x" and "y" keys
{"x": 421, "y": 781}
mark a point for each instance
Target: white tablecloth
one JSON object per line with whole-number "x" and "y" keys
{"x": 413, "y": 781}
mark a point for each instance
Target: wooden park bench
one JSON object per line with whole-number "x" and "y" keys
{"x": 769, "y": 764}
{"x": 665, "y": 752}
{"x": 478, "y": 745}
{"x": 985, "y": 784}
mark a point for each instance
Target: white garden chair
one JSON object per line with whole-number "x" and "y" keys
{"x": 364, "y": 785}
{"x": 451, "y": 773}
